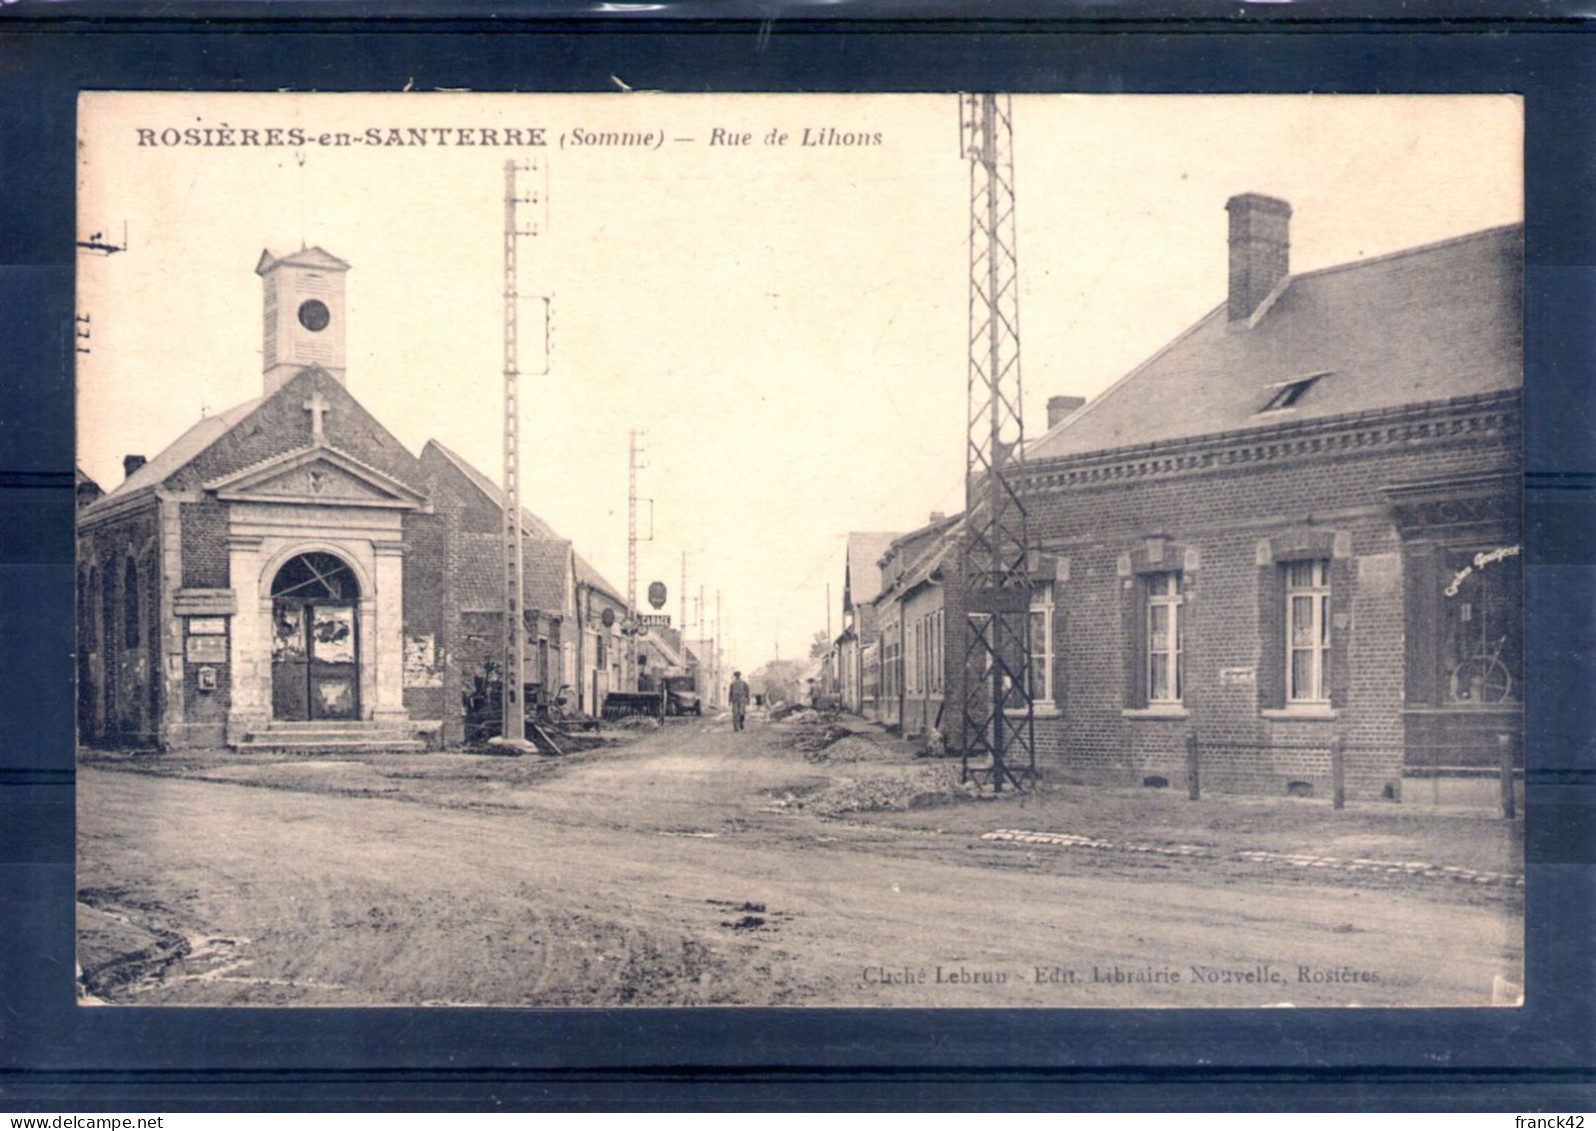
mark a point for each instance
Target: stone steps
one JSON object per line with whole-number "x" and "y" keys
{"x": 258, "y": 745}
{"x": 331, "y": 738}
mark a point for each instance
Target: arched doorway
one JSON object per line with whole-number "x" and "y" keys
{"x": 315, "y": 639}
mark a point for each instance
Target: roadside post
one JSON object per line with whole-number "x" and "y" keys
{"x": 1193, "y": 780}
{"x": 1504, "y": 750}
{"x": 1338, "y": 771}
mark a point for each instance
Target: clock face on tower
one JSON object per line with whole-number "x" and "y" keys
{"x": 313, "y": 315}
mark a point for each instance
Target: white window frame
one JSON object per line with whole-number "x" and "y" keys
{"x": 1316, "y": 592}
{"x": 1165, "y": 590}
{"x": 1042, "y": 673}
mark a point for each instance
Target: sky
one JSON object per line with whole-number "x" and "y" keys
{"x": 786, "y": 323}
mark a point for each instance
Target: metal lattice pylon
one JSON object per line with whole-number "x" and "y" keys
{"x": 998, "y": 741}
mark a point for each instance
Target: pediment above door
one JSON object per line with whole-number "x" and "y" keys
{"x": 319, "y": 476}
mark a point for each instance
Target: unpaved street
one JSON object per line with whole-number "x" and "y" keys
{"x": 700, "y": 866}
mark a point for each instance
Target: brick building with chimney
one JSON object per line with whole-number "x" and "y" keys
{"x": 1296, "y": 526}
{"x": 287, "y": 574}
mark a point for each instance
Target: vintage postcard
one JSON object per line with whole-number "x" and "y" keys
{"x": 895, "y": 551}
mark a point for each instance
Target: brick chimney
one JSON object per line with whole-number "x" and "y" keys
{"x": 130, "y": 464}
{"x": 1260, "y": 251}
{"x": 1060, "y": 407}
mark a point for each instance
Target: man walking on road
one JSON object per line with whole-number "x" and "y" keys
{"x": 739, "y": 700}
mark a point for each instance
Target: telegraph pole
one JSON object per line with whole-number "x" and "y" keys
{"x": 634, "y": 450}
{"x": 631, "y": 524}
{"x": 513, "y": 730}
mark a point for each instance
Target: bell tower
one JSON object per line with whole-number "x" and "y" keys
{"x": 304, "y": 314}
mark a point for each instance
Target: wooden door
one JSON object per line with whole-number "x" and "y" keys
{"x": 334, "y": 669}
{"x": 315, "y": 661}
{"x": 290, "y": 661}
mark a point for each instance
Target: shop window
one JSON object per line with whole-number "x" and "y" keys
{"x": 1482, "y": 629}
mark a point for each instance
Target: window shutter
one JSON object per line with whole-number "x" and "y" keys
{"x": 1422, "y": 632}
{"x": 1271, "y": 638}
{"x": 1134, "y": 632}
{"x": 1340, "y": 631}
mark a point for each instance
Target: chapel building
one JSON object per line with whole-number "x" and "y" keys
{"x": 287, "y": 574}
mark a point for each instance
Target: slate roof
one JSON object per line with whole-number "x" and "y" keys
{"x": 865, "y": 551}
{"x": 911, "y": 558}
{"x": 479, "y": 577}
{"x": 667, "y": 647}
{"x": 593, "y": 579}
{"x": 530, "y": 524}
{"x": 176, "y": 454}
{"x": 932, "y": 553}
{"x": 1427, "y": 324}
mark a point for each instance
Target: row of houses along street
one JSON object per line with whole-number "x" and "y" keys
{"x": 1296, "y": 525}
{"x": 1292, "y": 533}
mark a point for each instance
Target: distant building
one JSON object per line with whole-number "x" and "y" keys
{"x": 861, "y": 582}
{"x": 86, "y": 490}
{"x": 910, "y": 618}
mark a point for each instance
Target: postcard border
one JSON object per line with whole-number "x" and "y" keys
{"x": 58, "y": 1055}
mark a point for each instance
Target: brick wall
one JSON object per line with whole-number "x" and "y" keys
{"x": 453, "y": 491}
{"x": 122, "y": 704}
{"x": 205, "y": 564}
{"x": 426, "y": 577}
{"x": 1216, "y": 514}
{"x": 282, "y": 424}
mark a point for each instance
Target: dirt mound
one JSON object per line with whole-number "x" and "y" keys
{"x": 850, "y": 748}
{"x": 799, "y": 713}
{"x": 920, "y": 788}
{"x": 636, "y": 722}
{"x": 813, "y": 739}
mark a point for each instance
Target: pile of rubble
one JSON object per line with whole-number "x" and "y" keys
{"x": 635, "y": 722}
{"x": 920, "y": 788}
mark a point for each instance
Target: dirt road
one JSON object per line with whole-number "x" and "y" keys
{"x": 700, "y": 866}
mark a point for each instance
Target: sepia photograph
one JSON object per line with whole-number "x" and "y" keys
{"x": 937, "y": 550}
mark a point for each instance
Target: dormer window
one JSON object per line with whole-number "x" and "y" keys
{"x": 1285, "y": 394}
